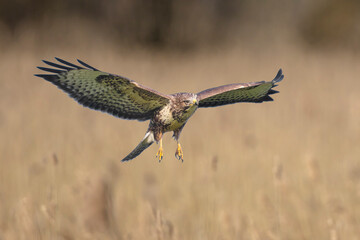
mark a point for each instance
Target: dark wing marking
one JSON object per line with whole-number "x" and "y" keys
{"x": 106, "y": 92}
{"x": 239, "y": 92}
{"x": 144, "y": 144}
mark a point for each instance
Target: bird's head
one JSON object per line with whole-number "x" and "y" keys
{"x": 190, "y": 102}
{"x": 186, "y": 103}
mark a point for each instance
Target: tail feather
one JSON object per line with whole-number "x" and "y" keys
{"x": 144, "y": 144}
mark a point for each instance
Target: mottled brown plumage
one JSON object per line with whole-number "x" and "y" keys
{"x": 127, "y": 99}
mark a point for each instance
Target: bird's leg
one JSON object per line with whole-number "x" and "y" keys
{"x": 179, "y": 153}
{"x": 160, "y": 153}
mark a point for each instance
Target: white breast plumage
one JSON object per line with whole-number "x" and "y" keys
{"x": 166, "y": 115}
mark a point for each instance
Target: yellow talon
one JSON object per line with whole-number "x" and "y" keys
{"x": 160, "y": 153}
{"x": 179, "y": 153}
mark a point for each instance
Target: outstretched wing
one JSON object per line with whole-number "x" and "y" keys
{"x": 102, "y": 91}
{"x": 239, "y": 92}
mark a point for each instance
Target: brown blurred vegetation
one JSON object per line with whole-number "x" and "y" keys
{"x": 289, "y": 169}
{"x": 154, "y": 23}
{"x": 188, "y": 24}
{"x": 333, "y": 24}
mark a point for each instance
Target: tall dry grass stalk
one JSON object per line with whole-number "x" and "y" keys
{"x": 26, "y": 222}
{"x": 333, "y": 234}
{"x": 95, "y": 211}
{"x": 312, "y": 168}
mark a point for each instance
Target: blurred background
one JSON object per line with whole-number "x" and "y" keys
{"x": 288, "y": 169}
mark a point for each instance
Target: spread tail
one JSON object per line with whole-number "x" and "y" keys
{"x": 144, "y": 144}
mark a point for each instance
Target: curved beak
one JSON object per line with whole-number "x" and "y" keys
{"x": 195, "y": 102}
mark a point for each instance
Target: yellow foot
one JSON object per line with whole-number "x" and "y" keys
{"x": 179, "y": 153}
{"x": 160, "y": 154}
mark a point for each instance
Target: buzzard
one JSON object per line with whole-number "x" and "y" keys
{"x": 127, "y": 99}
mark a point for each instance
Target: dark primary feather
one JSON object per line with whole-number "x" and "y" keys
{"x": 86, "y": 65}
{"x": 279, "y": 76}
{"x": 67, "y": 63}
{"x": 256, "y": 92}
{"x": 58, "y": 65}
{"x": 102, "y": 91}
{"x": 57, "y": 71}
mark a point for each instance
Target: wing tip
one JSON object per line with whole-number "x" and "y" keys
{"x": 68, "y": 63}
{"x": 279, "y": 76}
{"x": 52, "y": 70}
{"x": 48, "y": 77}
{"x": 86, "y": 65}
{"x": 272, "y": 91}
{"x": 57, "y": 65}
{"x": 63, "y": 67}
{"x": 267, "y": 99}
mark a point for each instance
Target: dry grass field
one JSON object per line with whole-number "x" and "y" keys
{"x": 289, "y": 169}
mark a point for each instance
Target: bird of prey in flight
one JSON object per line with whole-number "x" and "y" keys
{"x": 125, "y": 98}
